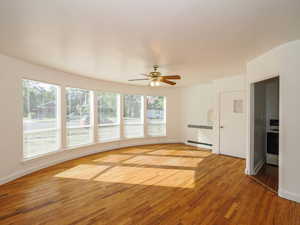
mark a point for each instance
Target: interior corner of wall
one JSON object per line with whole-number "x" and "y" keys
{"x": 289, "y": 195}
{"x": 215, "y": 149}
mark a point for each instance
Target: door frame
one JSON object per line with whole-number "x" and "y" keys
{"x": 250, "y": 170}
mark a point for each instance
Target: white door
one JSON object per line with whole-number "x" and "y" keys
{"x": 233, "y": 124}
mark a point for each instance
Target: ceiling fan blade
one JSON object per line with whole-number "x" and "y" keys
{"x": 143, "y": 74}
{"x": 167, "y": 81}
{"x": 174, "y": 77}
{"x": 137, "y": 79}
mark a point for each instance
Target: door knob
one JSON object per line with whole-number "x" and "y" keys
{"x": 221, "y": 127}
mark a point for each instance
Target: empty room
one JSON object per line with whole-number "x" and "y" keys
{"x": 140, "y": 112}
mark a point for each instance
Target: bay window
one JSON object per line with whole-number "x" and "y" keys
{"x": 156, "y": 116}
{"x": 41, "y": 130}
{"x": 90, "y": 116}
{"x": 108, "y": 108}
{"x": 79, "y": 119}
{"x": 133, "y": 116}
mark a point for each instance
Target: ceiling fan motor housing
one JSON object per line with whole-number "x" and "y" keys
{"x": 155, "y": 74}
{"x": 155, "y": 67}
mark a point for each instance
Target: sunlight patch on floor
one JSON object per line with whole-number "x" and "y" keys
{"x": 181, "y": 153}
{"x": 164, "y": 161}
{"x": 149, "y": 176}
{"x": 83, "y": 172}
{"x": 138, "y": 150}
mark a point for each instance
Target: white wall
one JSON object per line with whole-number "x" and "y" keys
{"x": 197, "y": 109}
{"x": 283, "y": 60}
{"x": 200, "y": 105}
{"x": 11, "y": 73}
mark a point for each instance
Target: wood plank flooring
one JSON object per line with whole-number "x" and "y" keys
{"x": 268, "y": 176}
{"x": 171, "y": 184}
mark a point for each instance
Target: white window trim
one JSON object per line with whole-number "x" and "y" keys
{"x": 108, "y": 124}
{"x": 63, "y": 116}
{"x": 159, "y": 123}
{"x": 92, "y": 120}
{"x": 58, "y": 115}
{"x": 97, "y": 125}
{"x": 94, "y": 115}
{"x": 135, "y": 123}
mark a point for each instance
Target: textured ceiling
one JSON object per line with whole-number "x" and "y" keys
{"x": 116, "y": 40}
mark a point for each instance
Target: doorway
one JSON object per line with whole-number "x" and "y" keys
{"x": 265, "y": 157}
{"x": 232, "y": 123}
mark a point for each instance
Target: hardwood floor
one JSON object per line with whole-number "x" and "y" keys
{"x": 268, "y": 176}
{"x": 170, "y": 184}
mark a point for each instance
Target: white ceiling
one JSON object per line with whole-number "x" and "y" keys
{"x": 118, "y": 39}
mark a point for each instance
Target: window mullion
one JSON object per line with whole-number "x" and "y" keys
{"x": 145, "y": 117}
{"x": 165, "y": 116}
{"x": 63, "y": 116}
{"x": 121, "y": 108}
{"x": 94, "y": 116}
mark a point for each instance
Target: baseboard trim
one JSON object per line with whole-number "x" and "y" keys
{"x": 114, "y": 146}
{"x": 289, "y": 195}
{"x": 258, "y": 167}
{"x": 30, "y": 170}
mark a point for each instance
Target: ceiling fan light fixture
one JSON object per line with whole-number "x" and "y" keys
{"x": 152, "y": 83}
{"x": 155, "y": 82}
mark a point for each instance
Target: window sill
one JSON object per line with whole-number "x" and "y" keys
{"x": 27, "y": 159}
{"x": 74, "y": 147}
{"x": 77, "y": 147}
{"x": 132, "y": 138}
{"x": 40, "y": 156}
{"x": 144, "y": 137}
{"x": 108, "y": 141}
{"x": 157, "y": 136}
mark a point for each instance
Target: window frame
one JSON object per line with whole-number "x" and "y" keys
{"x": 164, "y": 113}
{"x": 62, "y": 117}
{"x": 92, "y": 119}
{"x": 97, "y": 122}
{"x": 135, "y": 123}
{"x": 58, "y": 128}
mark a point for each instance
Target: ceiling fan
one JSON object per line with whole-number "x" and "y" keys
{"x": 156, "y": 78}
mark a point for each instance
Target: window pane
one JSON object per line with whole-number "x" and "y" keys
{"x": 156, "y": 129}
{"x": 108, "y": 106}
{"x": 108, "y": 132}
{"x": 40, "y": 142}
{"x": 133, "y": 116}
{"x": 156, "y": 115}
{"x": 40, "y": 118}
{"x": 78, "y": 117}
{"x": 133, "y": 130}
{"x": 79, "y": 136}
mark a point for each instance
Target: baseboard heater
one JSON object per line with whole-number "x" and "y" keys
{"x": 200, "y": 126}
{"x": 199, "y": 143}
